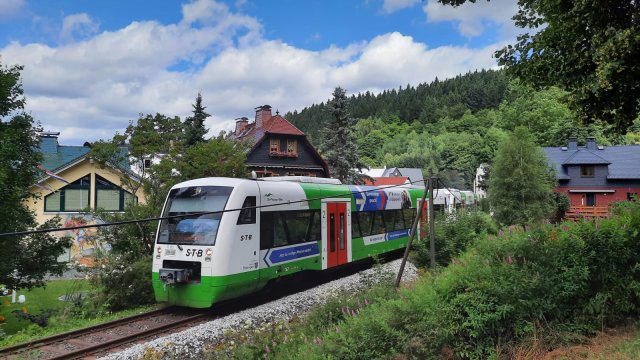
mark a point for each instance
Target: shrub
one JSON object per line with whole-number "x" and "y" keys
{"x": 453, "y": 235}
{"x": 125, "y": 285}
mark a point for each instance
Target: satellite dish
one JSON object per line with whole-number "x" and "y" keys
{"x": 254, "y": 175}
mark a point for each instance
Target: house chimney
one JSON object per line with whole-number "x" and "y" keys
{"x": 573, "y": 143}
{"x": 241, "y": 124}
{"x": 48, "y": 143}
{"x": 263, "y": 113}
{"x": 591, "y": 143}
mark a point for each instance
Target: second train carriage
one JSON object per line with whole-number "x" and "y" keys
{"x": 287, "y": 225}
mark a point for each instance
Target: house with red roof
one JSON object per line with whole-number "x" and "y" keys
{"x": 278, "y": 147}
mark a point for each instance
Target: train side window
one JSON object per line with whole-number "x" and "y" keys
{"x": 297, "y": 224}
{"x": 409, "y": 216}
{"x": 266, "y": 230}
{"x": 315, "y": 230}
{"x": 280, "y": 235}
{"x": 364, "y": 218}
{"x": 248, "y": 216}
{"x": 389, "y": 219}
{"x": 378, "y": 226}
{"x": 355, "y": 226}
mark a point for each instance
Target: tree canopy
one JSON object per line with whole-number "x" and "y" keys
{"x": 25, "y": 259}
{"x": 194, "y": 130}
{"x": 589, "y": 48}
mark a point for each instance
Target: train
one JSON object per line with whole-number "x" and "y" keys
{"x": 221, "y": 238}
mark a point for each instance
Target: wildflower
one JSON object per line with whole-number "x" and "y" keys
{"x": 509, "y": 260}
{"x": 337, "y": 329}
{"x": 266, "y": 349}
{"x": 353, "y": 313}
{"x": 366, "y": 302}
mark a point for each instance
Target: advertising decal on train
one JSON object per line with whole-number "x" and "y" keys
{"x": 370, "y": 198}
{"x": 290, "y": 253}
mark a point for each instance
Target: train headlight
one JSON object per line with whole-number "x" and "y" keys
{"x": 159, "y": 250}
{"x": 208, "y": 252}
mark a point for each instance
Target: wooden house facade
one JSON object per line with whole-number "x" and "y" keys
{"x": 278, "y": 147}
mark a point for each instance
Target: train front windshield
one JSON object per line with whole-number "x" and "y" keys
{"x": 193, "y": 229}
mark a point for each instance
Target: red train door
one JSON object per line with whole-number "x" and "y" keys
{"x": 336, "y": 234}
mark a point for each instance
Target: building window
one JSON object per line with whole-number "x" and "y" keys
{"x": 274, "y": 145}
{"x": 110, "y": 197}
{"x": 73, "y": 197}
{"x": 292, "y": 146}
{"x": 631, "y": 196}
{"x": 147, "y": 163}
{"x": 262, "y": 174}
{"x": 587, "y": 171}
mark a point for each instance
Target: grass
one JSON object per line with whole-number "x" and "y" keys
{"x": 39, "y": 300}
{"x": 64, "y": 316}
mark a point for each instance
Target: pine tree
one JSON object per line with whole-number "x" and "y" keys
{"x": 339, "y": 144}
{"x": 194, "y": 130}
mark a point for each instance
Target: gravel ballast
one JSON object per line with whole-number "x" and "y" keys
{"x": 189, "y": 344}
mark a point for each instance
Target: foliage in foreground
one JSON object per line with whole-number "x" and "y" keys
{"x": 124, "y": 284}
{"x": 518, "y": 290}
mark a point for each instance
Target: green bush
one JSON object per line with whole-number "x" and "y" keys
{"x": 125, "y": 285}
{"x": 453, "y": 235}
{"x": 537, "y": 288}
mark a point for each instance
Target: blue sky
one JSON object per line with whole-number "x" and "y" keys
{"x": 92, "y": 66}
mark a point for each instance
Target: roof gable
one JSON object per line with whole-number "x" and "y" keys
{"x": 623, "y": 161}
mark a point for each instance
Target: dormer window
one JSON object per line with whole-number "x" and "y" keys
{"x": 292, "y": 146}
{"x": 587, "y": 171}
{"x": 274, "y": 145}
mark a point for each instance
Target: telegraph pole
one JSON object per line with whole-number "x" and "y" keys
{"x": 432, "y": 225}
{"x": 412, "y": 233}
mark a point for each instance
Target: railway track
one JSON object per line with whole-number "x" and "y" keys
{"x": 100, "y": 340}
{"x": 103, "y": 339}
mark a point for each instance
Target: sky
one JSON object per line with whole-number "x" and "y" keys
{"x": 91, "y": 67}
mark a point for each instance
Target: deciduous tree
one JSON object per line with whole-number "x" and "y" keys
{"x": 589, "y": 48}
{"x": 24, "y": 260}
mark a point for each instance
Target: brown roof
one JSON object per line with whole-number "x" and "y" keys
{"x": 380, "y": 181}
{"x": 275, "y": 125}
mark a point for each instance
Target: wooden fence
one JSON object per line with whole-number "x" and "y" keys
{"x": 586, "y": 212}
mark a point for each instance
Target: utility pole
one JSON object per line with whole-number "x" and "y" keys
{"x": 432, "y": 227}
{"x": 412, "y": 233}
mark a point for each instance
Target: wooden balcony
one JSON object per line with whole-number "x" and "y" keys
{"x": 576, "y": 213}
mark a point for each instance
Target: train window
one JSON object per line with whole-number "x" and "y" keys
{"x": 280, "y": 237}
{"x": 332, "y": 233}
{"x": 409, "y": 216}
{"x": 248, "y": 216}
{"x": 297, "y": 223}
{"x": 389, "y": 219}
{"x": 355, "y": 225}
{"x": 193, "y": 227}
{"x": 364, "y": 218}
{"x": 342, "y": 231}
{"x": 266, "y": 230}
{"x": 378, "y": 226}
{"x": 315, "y": 230}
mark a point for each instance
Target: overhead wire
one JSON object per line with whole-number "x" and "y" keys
{"x": 135, "y": 221}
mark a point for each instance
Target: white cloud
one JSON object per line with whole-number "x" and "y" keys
{"x": 77, "y": 25}
{"x": 390, "y": 6}
{"x": 470, "y": 16}
{"x": 91, "y": 88}
{"x": 9, "y": 8}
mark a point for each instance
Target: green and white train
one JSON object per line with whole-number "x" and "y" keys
{"x": 285, "y": 225}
